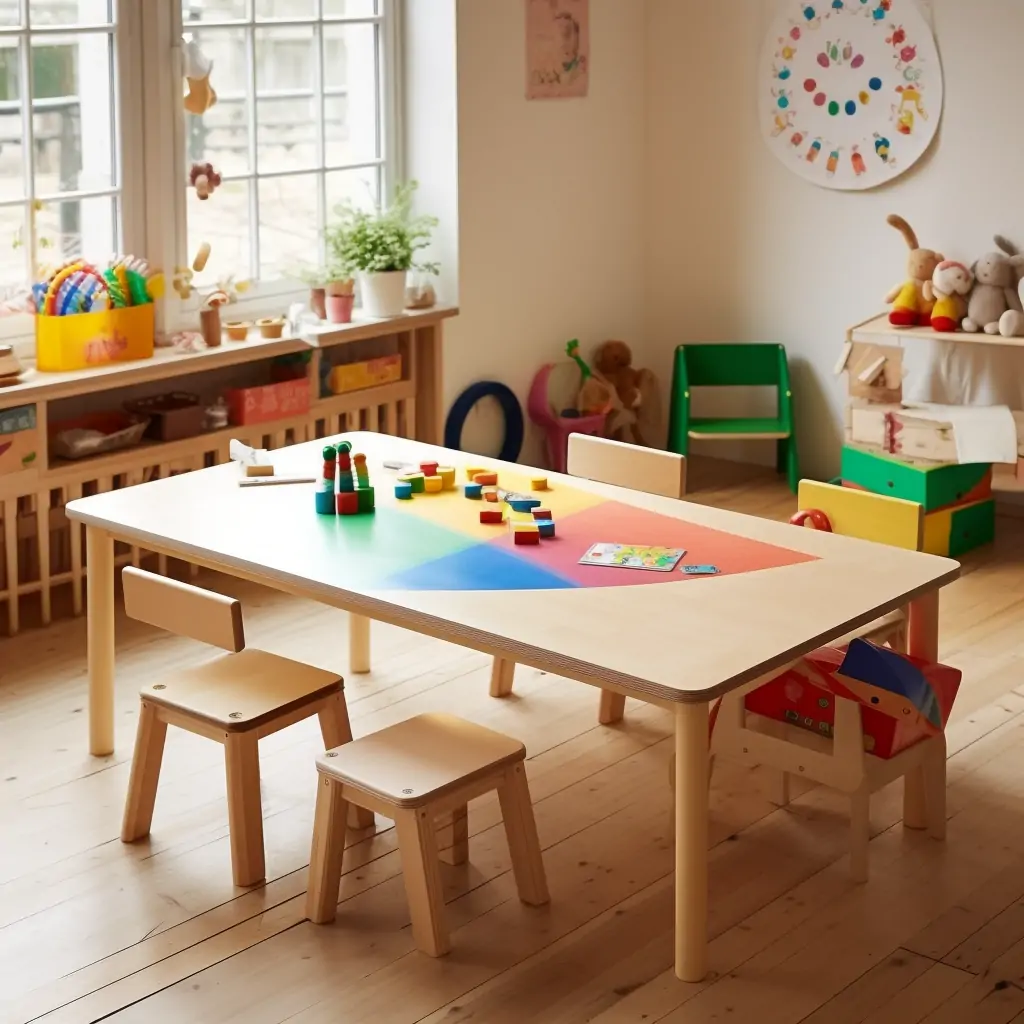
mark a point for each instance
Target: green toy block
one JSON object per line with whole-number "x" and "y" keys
{"x": 932, "y": 486}
{"x": 365, "y": 496}
{"x": 973, "y": 526}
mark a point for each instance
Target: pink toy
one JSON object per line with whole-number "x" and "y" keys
{"x": 557, "y": 428}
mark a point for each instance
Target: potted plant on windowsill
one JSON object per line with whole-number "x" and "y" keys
{"x": 381, "y": 246}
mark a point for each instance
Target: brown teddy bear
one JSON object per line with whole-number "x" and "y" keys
{"x": 613, "y": 362}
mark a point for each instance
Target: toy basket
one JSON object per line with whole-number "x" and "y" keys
{"x": 96, "y": 433}
{"x": 83, "y": 340}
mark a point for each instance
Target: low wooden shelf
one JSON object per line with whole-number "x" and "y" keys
{"x": 879, "y": 331}
{"x": 39, "y": 548}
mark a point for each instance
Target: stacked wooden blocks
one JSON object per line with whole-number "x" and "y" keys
{"x": 527, "y": 521}
{"x": 340, "y": 490}
{"x": 430, "y": 478}
{"x": 890, "y": 451}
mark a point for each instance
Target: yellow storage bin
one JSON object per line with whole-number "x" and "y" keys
{"x": 84, "y": 340}
{"x": 368, "y": 374}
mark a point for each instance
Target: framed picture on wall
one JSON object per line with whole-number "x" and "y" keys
{"x": 557, "y": 49}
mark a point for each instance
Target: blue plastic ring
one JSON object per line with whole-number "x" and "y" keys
{"x": 512, "y": 444}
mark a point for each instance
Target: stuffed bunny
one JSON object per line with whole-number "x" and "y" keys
{"x": 994, "y": 292}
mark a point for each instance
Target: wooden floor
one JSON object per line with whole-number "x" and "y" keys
{"x": 93, "y": 930}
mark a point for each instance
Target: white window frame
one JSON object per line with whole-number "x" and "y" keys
{"x": 150, "y": 152}
{"x": 270, "y": 296}
{"x": 128, "y": 176}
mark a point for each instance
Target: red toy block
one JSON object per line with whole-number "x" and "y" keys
{"x": 487, "y": 479}
{"x": 490, "y": 515}
{"x": 490, "y": 495}
{"x": 347, "y": 503}
{"x": 428, "y": 468}
{"x": 526, "y": 537}
{"x": 542, "y": 513}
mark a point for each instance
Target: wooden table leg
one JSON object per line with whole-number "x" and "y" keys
{"x": 691, "y": 798}
{"x": 922, "y": 642}
{"x": 358, "y": 643}
{"x": 99, "y": 549}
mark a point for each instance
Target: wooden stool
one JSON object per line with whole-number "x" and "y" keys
{"x": 412, "y": 772}
{"x": 234, "y": 698}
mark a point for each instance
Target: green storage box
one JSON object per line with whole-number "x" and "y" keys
{"x": 932, "y": 486}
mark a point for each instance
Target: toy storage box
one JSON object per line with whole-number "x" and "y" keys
{"x": 84, "y": 340}
{"x": 369, "y": 373}
{"x": 249, "y": 406}
{"x": 19, "y": 439}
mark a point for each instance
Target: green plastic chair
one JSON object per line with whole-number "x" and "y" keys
{"x": 761, "y": 365}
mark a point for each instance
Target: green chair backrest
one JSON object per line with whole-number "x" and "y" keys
{"x": 736, "y": 365}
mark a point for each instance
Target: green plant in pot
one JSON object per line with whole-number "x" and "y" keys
{"x": 381, "y": 247}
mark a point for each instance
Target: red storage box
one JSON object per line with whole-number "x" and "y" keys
{"x": 269, "y": 402}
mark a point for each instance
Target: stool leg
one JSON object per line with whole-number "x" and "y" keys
{"x": 935, "y": 787}
{"x": 503, "y": 674}
{"x": 327, "y": 852}
{"x": 358, "y": 643}
{"x": 417, "y": 843}
{"x": 146, "y": 761}
{"x": 860, "y": 833}
{"x": 613, "y": 708}
{"x": 459, "y": 853}
{"x": 336, "y": 730}
{"x": 245, "y": 809}
{"x": 521, "y": 830}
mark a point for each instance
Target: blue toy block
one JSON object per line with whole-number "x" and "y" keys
{"x": 403, "y": 491}
{"x": 546, "y": 527}
{"x": 473, "y": 491}
{"x": 523, "y": 504}
{"x": 325, "y": 505}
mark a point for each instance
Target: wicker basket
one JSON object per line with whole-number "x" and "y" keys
{"x": 96, "y": 433}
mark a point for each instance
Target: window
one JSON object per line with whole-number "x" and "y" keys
{"x": 62, "y": 187}
{"x": 298, "y": 126}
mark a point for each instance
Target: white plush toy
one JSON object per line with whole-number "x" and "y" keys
{"x": 1011, "y": 323}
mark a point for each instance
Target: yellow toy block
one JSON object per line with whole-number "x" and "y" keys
{"x": 538, "y": 483}
{"x": 471, "y": 472}
{"x": 867, "y": 516}
{"x": 432, "y": 484}
{"x": 447, "y": 475}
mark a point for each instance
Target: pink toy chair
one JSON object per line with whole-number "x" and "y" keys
{"x": 558, "y": 428}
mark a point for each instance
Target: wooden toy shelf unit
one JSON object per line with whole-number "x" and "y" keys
{"x": 40, "y": 550}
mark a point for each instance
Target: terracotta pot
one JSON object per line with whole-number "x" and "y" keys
{"x": 339, "y": 308}
{"x": 316, "y": 302}
{"x": 238, "y": 330}
{"x": 346, "y": 287}
{"x": 271, "y": 327}
{"x": 209, "y": 324}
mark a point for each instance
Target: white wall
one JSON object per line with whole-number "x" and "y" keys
{"x": 738, "y": 248}
{"x": 550, "y": 237}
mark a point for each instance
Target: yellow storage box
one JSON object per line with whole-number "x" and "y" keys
{"x": 368, "y": 374}
{"x": 83, "y": 340}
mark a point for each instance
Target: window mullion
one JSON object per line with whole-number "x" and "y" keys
{"x": 254, "y": 186}
{"x": 321, "y": 133}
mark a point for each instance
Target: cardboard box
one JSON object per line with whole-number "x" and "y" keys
{"x": 19, "y": 439}
{"x": 368, "y": 374}
{"x": 269, "y": 402}
{"x": 83, "y": 340}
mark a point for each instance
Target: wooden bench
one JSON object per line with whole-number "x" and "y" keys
{"x": 413, "y": 772}
{"x": 235, "y": 699}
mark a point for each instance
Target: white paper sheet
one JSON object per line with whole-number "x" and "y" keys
{"x": 248, "y": 456}
{"x": 982, "y": 433}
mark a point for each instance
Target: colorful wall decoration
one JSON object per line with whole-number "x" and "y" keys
{"x": 557, "y": 48}
{"x": 850, "y": 90}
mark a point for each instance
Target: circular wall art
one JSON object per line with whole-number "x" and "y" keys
{"x": 850, "y": 90}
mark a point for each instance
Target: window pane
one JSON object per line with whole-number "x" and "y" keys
{"x": 224, "y": 222}
{"x": 285, "y": 8}
{"x": 12, "y": 149}
{"x": 13, "y": 237}
{"x": 289, "y": 228}
{"x": 73, "y": 106}
{"x": 350, "y": 79}
{"x": 286, "y": 111}
{"x": 10, "y": 13}
{"x": 69, "y": 12}
{"x": 361, "y": 187}
{"x": 221, "y": 135}
{"x": 213, "y": 10}
{"x": 350, "y": 8}
{"x": 72, "y": 228}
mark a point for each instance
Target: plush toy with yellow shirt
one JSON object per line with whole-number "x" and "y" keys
{"x": 910, "y": 305}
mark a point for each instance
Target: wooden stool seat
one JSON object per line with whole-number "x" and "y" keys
{"x": 420, "y": 760}
{"x": 243, "y": 691}
{"x": 412, "y": 772}
{"x": 235, "y": 699}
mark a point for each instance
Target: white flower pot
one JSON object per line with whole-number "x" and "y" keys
{"x": 383, "y": 294}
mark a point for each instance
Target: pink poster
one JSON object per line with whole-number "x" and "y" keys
{"x": 557, "y": 48}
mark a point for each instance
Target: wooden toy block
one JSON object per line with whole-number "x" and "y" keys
{"x": 490, "y": 496}
{"x": 491, "y": 515}
{"x": 875, "y": 372}
{"x": 487, "y": 479}
{"x": 525, "y": 537}
{"x": 474, "y": 491}
{"x": 428, "y": 468}
{"x": 542, "y": 513}
{"x": 347, "y": 503}
{"x": 403, "y": 491}
{"x": 259, "y": 470}
{"x": 524, "y": 526}
{"x": 432, "y": 484}
{"x": 471, "y": 471}
{"x": 325, "y": 505}
{"x": 364, "y": 496}
{"x": 955, "y": 531}
{"x": 418, "y": 481}
{"x": 546, "y": 528}
{"x": 447, "y": 475}
{"x": 934, "y": 486}
{"x": 538, "y": 483}
{"x": 523, "y": 504}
